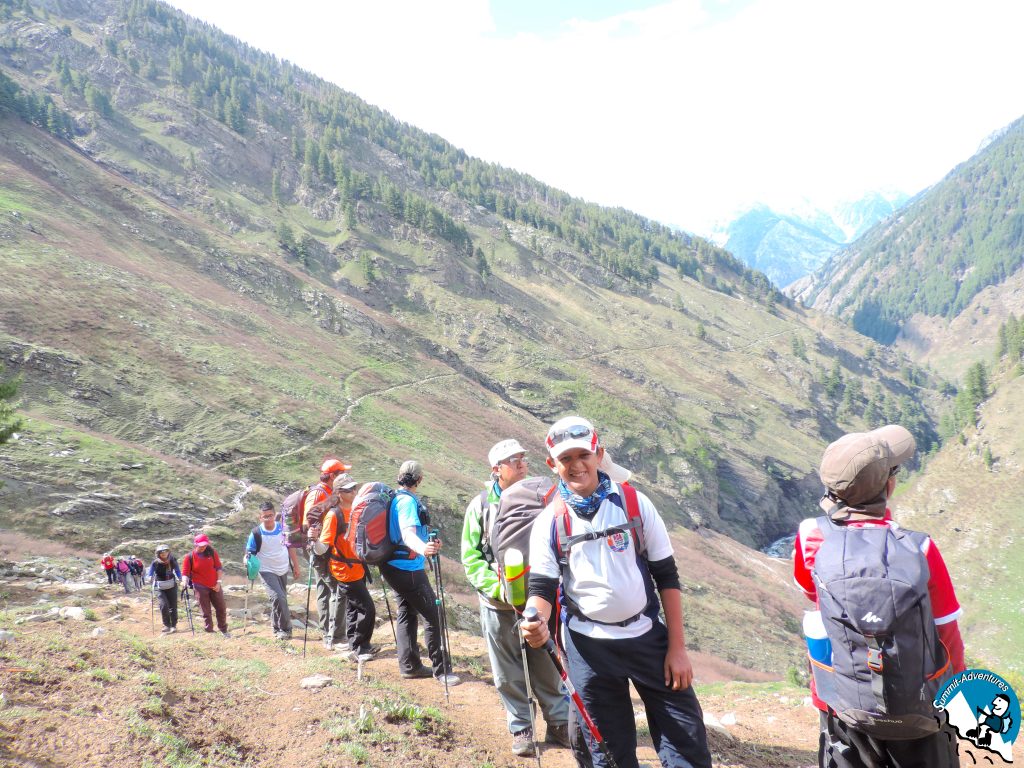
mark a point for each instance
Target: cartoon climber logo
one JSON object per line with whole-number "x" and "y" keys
{"x": 984, "y": 710}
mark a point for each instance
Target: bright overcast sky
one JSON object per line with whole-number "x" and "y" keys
{"x": 683, "y": 111}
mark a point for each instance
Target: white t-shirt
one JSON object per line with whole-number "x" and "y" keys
{"x": 273, "y": 554}
{"x": 603, "y": 577}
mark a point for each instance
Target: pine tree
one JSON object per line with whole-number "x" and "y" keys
{"x": 9, "y": 423}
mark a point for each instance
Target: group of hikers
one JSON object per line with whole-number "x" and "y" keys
{"x": 128, "y": 571}
{"x": 580, "y": 598}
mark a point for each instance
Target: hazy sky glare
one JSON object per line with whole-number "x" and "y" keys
{"x": 683, "y": 111}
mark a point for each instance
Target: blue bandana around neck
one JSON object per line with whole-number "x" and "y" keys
{"x": 586, "y": 507}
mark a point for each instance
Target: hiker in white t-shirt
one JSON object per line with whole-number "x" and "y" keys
{"x": 267, "y": 540}
{"x": 609, "y": 549}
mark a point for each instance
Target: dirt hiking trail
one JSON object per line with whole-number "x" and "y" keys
{"x": 106, "y": 690}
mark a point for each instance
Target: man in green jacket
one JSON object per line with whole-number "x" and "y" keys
{"x": 498, "y": 618}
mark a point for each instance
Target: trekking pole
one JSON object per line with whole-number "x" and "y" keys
{"x": 442, "y": 618}
{"x": 309, "y": 586}
{"x": 530, "y": 698}
{"x": 531, "y": 614}
{"x": 188, "y": 610}
{"x": 391, "y": 619}
{"x": 152, "y": 602}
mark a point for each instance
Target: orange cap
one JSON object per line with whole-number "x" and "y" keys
{"x": 333, "y": 465}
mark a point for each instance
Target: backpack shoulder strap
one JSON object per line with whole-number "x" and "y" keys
{"x": 633, "y": 515}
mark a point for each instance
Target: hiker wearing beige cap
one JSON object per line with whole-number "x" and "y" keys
{"x": 607, "y": 547}
{"x": 884, "y": 636}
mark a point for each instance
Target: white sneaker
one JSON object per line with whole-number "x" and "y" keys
{"x": 450, "y": 680}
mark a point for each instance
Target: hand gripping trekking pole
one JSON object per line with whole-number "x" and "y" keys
{"x": 442, "y": 618}
{"x": 531, "y": 614}
{"x": 309, "y": 586}
{"x": 188, "y": 608}
{"x": 530, "y": 698}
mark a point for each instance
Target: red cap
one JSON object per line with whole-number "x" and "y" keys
{"x": 201, "y": 539}
{"x": 331, "y": 466}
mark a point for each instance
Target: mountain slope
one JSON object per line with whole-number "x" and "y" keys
{"x": 220, "y": 269}
{"x": 788, "y": 246}
{"x": 963, "y": 237}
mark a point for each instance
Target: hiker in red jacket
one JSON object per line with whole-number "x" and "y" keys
{"x": 108, "y": 565}
{"x": 859, "y": 474}
{"x": 202, "y": 569}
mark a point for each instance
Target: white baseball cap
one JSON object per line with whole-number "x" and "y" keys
{"x": 571, "y": 432}
{"x": 503, "y": 450}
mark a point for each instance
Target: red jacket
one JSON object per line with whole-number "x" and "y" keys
{"x": 202, "y": 568}
{"x": 108, "y": 563}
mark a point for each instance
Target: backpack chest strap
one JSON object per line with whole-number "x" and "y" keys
{"x": 570, "y": 541}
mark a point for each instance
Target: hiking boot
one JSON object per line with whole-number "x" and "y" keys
{"x": 226, "y": 634}
{"x": 165, "y": 631}
{"x": 557, "y": 734}
{"x": 328, "y": 643}
{"x": 342, "y": 645}
{"x": 522, "y": 743}
{"x": 171, "y": 630}
{"x": 282, "y": 636}
{"x": 418, "y": 673}
{"x": 450, "y": 680}
{"x": 367, "y": 653}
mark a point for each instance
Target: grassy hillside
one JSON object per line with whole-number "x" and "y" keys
{"x": 219, "y": 269}
{"x": 969, "y": 500}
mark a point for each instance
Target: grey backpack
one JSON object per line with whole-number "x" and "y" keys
{"x": 887, "y": 660}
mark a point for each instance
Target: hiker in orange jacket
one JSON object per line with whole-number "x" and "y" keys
{"x": 348, "y": 574}
{"x": 329, "y": 605}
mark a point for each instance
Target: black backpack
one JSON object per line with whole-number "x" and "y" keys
{"x": 887, "y": 660}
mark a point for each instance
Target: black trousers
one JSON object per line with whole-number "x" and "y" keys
{"x": 415, "y": 598}
{"x": 168, "y": 606}
{"x": 360, "y": 612}
{"x": 601, "y": 671}
{"x": 110, "y": 575}
{"x": 843, "y": 747}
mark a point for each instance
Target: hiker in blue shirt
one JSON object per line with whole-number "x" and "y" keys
{"x": 407, "y": 577}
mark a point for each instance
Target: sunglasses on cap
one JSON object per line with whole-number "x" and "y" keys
{"x": 575, "y": 432}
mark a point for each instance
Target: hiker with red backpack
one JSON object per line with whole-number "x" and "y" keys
{"x": 408, "y": 527}
{"x": 498, "y": 617}
{"x": 202, "y": 570}
{"x": 608, "y": 549}
{"x": 347, "y": 573}
{"x": 885, "y": 635}
{"x": 267, "y": 544}
{"x": 330, "y": 606}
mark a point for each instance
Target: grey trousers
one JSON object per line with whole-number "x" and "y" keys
{"x": 277, "y": 591}
{"x": 331, "y": 605}
{"x": 499, "y": 628}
